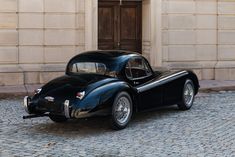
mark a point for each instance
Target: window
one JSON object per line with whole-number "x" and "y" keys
{"x": 147, "y": 68}
{"x": 137, "y": 68}
{"x": 88, "y": 67}
{"x": 128, "y": 71}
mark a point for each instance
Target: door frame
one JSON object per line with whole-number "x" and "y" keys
{"x": 118, "y": 41}
{"x": 154, "y": 10}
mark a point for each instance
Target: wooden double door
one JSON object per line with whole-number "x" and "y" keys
{"x": 119, "y": 25}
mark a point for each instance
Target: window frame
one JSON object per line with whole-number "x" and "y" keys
{"x": 146, "y": 65}
{"x": 77, "y": 73}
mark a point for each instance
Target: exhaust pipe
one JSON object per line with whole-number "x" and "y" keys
{"x": 77, "y": 113}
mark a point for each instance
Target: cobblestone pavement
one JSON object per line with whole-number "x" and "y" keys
{"x": 208, "y": 129}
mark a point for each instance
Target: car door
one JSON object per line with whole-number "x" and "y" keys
{"x": 141, "y": 76}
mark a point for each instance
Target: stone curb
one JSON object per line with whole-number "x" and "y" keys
{"x": 217, "y": 89}
{"x": 17, "y": 91}
{"x": 12, "y": 95}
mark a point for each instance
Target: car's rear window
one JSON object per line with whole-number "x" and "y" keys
{"x": 88, "y": 67}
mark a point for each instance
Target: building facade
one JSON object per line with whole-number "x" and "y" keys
{"x": 38, "y": 37}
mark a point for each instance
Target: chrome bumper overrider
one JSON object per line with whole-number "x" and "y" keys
{"x": 66, "y": 109}
{"x": 26, "y": 103}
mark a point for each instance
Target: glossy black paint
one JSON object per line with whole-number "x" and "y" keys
{"x": 160, "y": 89}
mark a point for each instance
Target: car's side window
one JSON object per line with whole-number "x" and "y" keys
{"x": 128, "y": 71}
{"x": 137, "y": 68}
{"x": 147, "y": 68}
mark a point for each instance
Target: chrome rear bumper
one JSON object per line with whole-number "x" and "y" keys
{"x": 26, "y": 105}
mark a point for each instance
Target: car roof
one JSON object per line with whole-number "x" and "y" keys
{"x": 108, "y": 54}
{"x": 114, "y": 59}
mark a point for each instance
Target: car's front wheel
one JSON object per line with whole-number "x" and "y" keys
{"x": 57, "y": 118}
{"x": 187, "y": 95}
{"x": 121, "y": 111}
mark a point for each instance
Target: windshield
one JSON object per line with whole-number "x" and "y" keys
{"x": 88, "y": 67}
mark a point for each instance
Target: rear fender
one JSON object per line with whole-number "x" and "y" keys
{"x": 103, "y": 96}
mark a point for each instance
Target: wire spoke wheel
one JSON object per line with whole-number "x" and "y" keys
{"x": 121, "y": 111}
{"x": 188, "y": 95}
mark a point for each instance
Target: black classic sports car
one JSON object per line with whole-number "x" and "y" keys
{"x": 115, "y": 83}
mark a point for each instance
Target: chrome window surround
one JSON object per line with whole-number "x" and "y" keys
{"x": 146, "y": 68}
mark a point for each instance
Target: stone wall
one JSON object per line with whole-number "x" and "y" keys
{"x": 226, "y": 40}
{"x": 37, "y": 37}
{"x": 146, "y": 29}
{"x": 200, "y": 34}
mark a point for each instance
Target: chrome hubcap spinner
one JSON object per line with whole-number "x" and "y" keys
{"x": 188, "y": 94}
{"x": 122, "y": 110}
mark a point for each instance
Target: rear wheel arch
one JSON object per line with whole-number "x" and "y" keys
{"x": 195, "y": 81}
{"x": 114, "y": 91}
{"x": 133, "y": 98}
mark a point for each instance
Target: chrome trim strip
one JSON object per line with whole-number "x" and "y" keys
{"x": 158, "y": 82}
{"x": 66, "y": 109}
